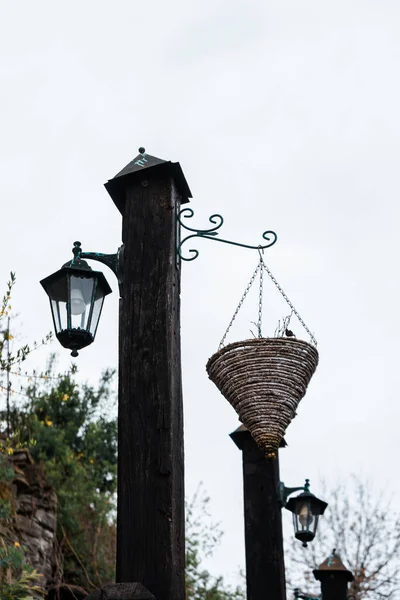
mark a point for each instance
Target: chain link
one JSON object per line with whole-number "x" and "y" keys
{"x": 313, "y": 340}
{"x": 246, "y": 291}
{"x": 260, "y": 301}
{"x": 261, "y": 267}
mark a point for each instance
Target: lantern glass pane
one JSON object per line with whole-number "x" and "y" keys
{"x": 295, "y": 523}
{"x": 81, "y": 289}
{"x": 59, "y": 310}
{"x": 305, "y": 517}
{"x": 98, "y": 305}
{"x": 58, "y": 294}
{"x": 99, "y": 296}
{"x": 314, "y": 524}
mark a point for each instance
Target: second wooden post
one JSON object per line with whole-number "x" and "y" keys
{"x": 265, "y": 568}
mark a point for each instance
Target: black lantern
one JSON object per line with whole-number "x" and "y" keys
{"x": 306, "y": 509}
{"x": 76, "y": 294}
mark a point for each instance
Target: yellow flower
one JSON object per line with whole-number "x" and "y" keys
{"x": 91, "y": 461}
{"x": 10, "y": 451}
{"x": 79, "y": 455}
{"x": 65, "y": 397}
{"x": 10, "y": 337}
{"x": 17, "y": 544}
{"x": 48, "y": 422}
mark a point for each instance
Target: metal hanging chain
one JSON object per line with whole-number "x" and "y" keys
{"x": 261, "y": 267}
{"x": 246, "y": 291}
{"x": 294, "y": 311}
{"x": 260, "y": 301}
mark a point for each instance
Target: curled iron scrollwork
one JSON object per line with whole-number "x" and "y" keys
{"x": 212, "y": 233}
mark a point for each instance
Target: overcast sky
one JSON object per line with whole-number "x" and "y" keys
{"x": 284, "y": 115}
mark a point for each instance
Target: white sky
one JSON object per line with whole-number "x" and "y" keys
{"x": 284, "y": 115}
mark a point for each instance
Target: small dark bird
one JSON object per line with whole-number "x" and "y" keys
{"x": 289, "y": 333}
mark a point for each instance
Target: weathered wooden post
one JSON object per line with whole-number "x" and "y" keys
{"x": 265, "y": 568}
{"x": 334, "y": 578}
{"x": 150, "y": 524}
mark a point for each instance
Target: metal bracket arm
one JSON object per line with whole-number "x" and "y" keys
{"x": 110, "y": 260}
{"x": 217, "y": 221}
{"x": 284, "y": 492}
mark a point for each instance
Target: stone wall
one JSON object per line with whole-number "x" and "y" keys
{"x": 34, "y": 517}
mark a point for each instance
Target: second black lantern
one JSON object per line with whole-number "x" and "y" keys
{"x": 306, "y": 509}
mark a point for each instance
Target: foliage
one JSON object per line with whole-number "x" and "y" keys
{"x": 13, "y": 359}
{"x": 70, "y": 432}
{"x": 202, "y": 536}
{"x": 18, "y": 580}
{"x": 24, "y": 582}
{"x": 365, "y": 531}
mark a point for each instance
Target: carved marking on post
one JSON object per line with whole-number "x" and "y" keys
{"x": 141, "y": 162}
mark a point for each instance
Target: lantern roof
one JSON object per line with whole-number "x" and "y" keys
{"x": 80, "y": 269}
{"x": 333, "y": 565}
{"x": 317, "y": 502}
{"x": 151, "y": 164}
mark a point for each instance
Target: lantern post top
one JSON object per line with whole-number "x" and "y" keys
{"x": 333, "y": 566}
{"x": 241, "y": 434}
{"x": 145, "y": 164}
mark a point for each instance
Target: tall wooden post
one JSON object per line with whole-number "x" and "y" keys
{"x": 150, "y": 522}
{"x": 265, "y": 568}
{"x": 334, "y": 578}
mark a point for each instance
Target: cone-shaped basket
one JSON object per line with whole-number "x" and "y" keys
{"x": 264, "y": 379}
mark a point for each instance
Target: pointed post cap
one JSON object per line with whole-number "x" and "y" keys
{"x": 141, "y": 166}
{"x": 333, "y": 566}
{"x": 240, "y": 435}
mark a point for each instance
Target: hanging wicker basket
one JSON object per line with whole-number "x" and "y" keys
{"x": 264, "y": 379}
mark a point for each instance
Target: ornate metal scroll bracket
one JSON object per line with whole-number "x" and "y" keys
{"x": 212, "y": 233}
